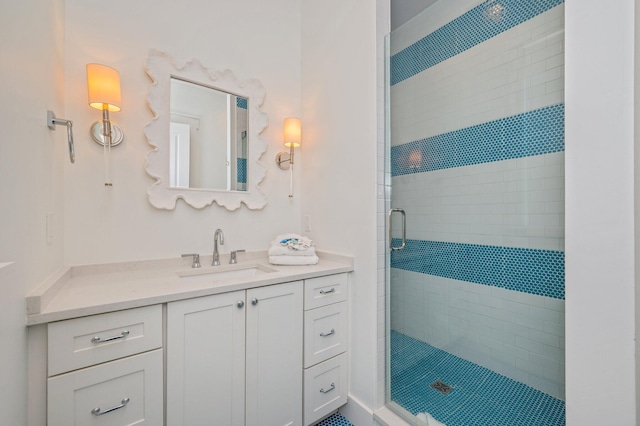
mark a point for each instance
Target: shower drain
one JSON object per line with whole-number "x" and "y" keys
{"x": 441, "y": 387}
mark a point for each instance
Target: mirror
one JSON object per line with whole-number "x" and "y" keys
{"x": 206, "y": 136}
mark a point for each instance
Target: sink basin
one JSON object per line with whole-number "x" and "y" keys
{"x": 224, "y": 273}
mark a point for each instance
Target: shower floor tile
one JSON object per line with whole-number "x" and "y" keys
{"x": 480, "y": 397}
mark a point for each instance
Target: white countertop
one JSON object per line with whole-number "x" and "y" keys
{"x": 87, "y": 290}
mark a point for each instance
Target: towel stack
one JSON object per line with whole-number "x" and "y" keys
{"x": 292, "y": 249}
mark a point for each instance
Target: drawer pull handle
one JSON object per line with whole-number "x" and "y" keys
{"x": 333, "y": 290}
{"x": 97, "y": 412}
{"x": 98, "y": 339}
{"x": 323, "y": 334}
{"x": 333, "y": 386}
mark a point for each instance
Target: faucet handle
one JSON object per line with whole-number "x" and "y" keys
{"x": 233, "y": 259}
{"x": 196, "y": 259}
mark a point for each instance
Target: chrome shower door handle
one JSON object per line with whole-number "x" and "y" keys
{"x": 404, "y": 229}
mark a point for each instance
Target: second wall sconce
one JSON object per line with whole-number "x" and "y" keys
{"x": 292, "y": 138}
{"x": 103, "y": 85}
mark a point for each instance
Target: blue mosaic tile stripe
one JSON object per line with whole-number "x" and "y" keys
{"x": 242, "y": 170}
{"x": 480, "y": 397}
{"x": 336, "y": 419}
{"x": 539, "y": 272}
{"x": 241, "y": 102}
{"x": 478, "y": 25}
{"x": 524, "y": 135}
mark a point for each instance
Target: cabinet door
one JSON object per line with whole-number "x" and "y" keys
{"x": 205, "y": 360}
{"x": 274, "y": 355}
{"x": 118, "y": 393}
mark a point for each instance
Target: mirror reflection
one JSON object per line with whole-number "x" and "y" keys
{"x": 207, "y": 138}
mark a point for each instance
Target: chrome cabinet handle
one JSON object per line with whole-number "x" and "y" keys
{"x": 333, "y": 386}
{"x": 404, "y": 229}
{"x": 254, "y": 301}
{"x": 323, "y": 334}
{"x": 240, "y": 303}
{"x": 333, "y": 290}
{"x": 97, "y": 412}
{"x": 98, "y": 339}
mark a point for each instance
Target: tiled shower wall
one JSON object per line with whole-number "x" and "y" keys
{"x": 477, "y": 159}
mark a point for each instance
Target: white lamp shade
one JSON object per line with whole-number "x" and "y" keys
{"x": 292, "y": 132}
{"x": 103, "y": 85}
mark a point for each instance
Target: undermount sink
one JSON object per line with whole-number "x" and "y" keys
{"x": 224, "y": 273}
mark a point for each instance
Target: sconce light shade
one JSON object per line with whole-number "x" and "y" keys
{"x": 292, "y": 135}
{"x": 103, "y": 88}
{"x": 103, "y": 83}
{"x": 292, "y": 132}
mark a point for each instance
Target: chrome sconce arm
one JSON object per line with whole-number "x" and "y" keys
{"x": 52, "y": 121}
{"x": 285, "y": 159}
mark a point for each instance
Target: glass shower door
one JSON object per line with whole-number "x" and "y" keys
{"x": 476, "y": 231}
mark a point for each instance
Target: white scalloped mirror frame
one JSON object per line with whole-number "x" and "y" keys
{"x": 161, "y": 67}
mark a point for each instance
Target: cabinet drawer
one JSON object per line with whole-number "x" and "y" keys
{"x": 325, "y": 333}
{"x": 325, "y": 388}
{"x": 132, "y": 387}
{"x": 81, "y": 342}
{"x": 323, "y": 291}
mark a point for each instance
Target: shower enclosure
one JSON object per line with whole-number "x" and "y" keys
{"x": 475, "y": 101}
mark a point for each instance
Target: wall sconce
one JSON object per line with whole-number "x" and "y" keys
{"x": 103, "y": 85}
{"x": 292, "y": 138}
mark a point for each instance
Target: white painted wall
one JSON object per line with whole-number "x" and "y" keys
{"x": 599, "y": 212}
{"x": 31, "y": 164}
{"x": 339, "y": 172}
{"x": 255, "y": 39}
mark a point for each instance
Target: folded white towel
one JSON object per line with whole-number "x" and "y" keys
{"x": 293, "y": 260}
{"x": 292, "y": 245}
{"x": 278, "y": 250}
{"x": 428, "y": 419}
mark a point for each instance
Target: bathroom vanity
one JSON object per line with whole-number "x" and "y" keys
{"x": 158, "y": 342}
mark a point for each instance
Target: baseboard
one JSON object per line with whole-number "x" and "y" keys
{"x": 357, "y": 413}
{"x": 385, "y": 417}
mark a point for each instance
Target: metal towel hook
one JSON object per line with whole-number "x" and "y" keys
{"x": 51, "y": 123}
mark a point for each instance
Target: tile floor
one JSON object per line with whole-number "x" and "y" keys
{"x": 480, "y": 396}
{"x": 335, "y": 419}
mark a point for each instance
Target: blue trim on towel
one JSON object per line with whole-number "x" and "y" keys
{"x": 476, "y": 26}
{"x": 524, "y": 135}
{"x": 532, "y": 271}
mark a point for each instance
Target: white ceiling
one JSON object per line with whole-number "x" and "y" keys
{"x": 403, "y": 10}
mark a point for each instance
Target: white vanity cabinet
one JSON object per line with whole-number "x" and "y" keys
{"x": 270, "y": 350}
{"x": 325, "y": 346}
{"x": 212, "y": 341}
{"x": 106, "y": 369}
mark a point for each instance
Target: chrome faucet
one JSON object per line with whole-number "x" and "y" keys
{"x": 216, "y": 255}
